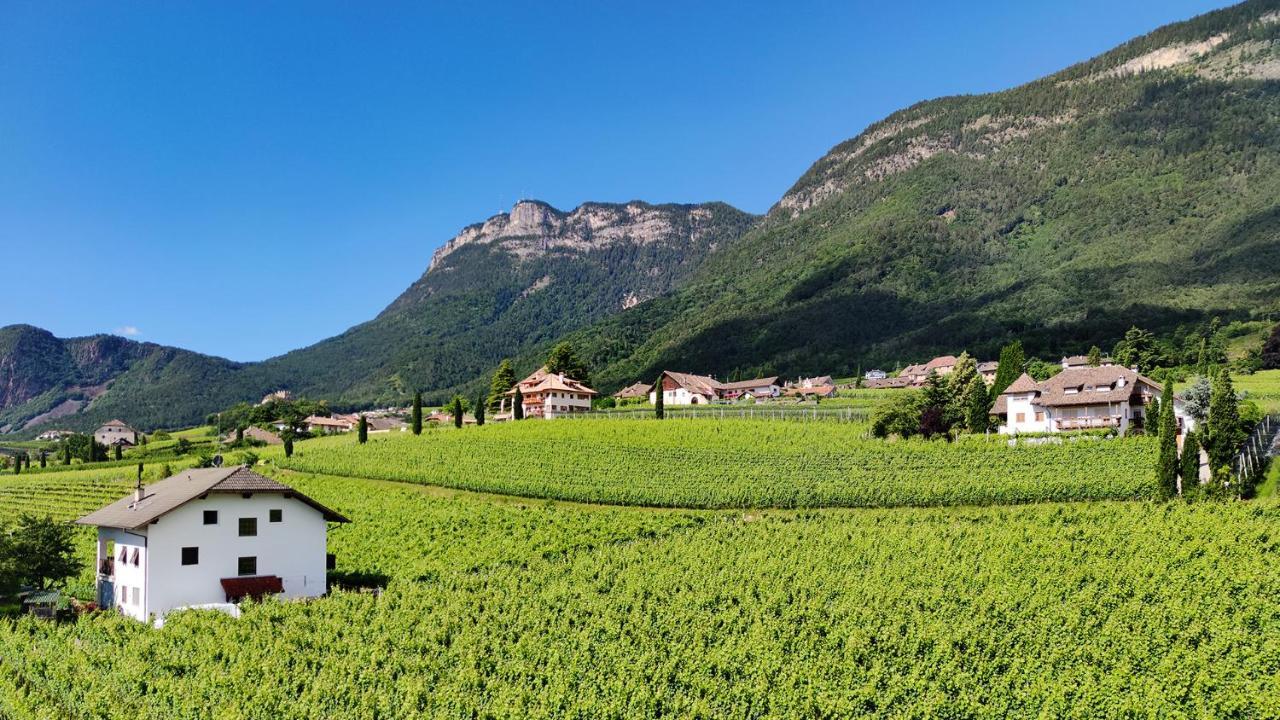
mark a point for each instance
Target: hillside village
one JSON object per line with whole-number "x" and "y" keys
{"x": 979, "y": 419}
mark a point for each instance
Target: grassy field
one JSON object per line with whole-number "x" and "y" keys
{"x": 735, "y": 464}
{"x": 497, "y": 605}
{"x": 1087, "y": 610}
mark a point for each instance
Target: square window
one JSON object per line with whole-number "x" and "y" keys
{"x": 210, "y": 517}
{"x": 275, "y": 515}
{"x": 248, "y": 527}
{"x": 190, "y": 556}
{"x": 247, "y": 566}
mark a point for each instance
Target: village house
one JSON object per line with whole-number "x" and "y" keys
{"x": 54, "y": 435}
{"x": 918, "y": 374}
{"x": 635, "y": 391}
{"x": 889, "y": 383}
{"x": 256, "y": 434}
{"x": 116, "y": 432}
{"x": 209, "y": 536}
{"x": 331, "y": 425}
{"x": 689, "y": 389}
{"x": 813, "y": 382}
{"x": 875, "y": 375}
{"x": 547, "y": 395}
{"x": 814, "y": 391}
{"x": 686, "y": 389}
{"x": 987, "y": 370}
{"x": 1081, "y": 399}
{"x": 756, "y": 389}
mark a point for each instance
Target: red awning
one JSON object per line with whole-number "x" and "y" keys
{"x": 239, "y": 588}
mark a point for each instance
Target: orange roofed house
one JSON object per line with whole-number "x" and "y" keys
{"x": 547, "y": 395}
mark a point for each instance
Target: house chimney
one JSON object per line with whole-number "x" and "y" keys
{"x": 137, "y": 491}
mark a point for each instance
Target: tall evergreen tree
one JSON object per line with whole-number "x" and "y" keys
{"x": 287, "y": 438}
{"x": 1224, "y": 436}
{"x": 44, "y": 455}
{"x": 933, "y": 411}
{"x": 959, "y": 383}
{"x": 1167, "y": 460}
{"x": 659, "y": 406}
{"x": 977, "y": 407}
{"x": 1190, "y": 465}
{"x": 456, "y": 409}
{"x": 503, "y": 380}
{"x": 1010, "y": 368}
{"x": 517, "y": 405}
{"x": 1271, "y": 350}
{"x": 563, "y": 359}
{"x": 480, "y": 411}
{"x": 362, "y": 431}
{"x": 66, "y": 453}
{"x": 417, "y": 413}
{"x": 119, "y": 452}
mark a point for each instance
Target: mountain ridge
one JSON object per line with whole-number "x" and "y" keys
{"x": 1135, "y": 187}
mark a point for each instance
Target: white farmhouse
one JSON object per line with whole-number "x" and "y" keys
{"x": 685, "y": 389}
{"x": 547, "y": 395}
{"x": 208, "y": 536}
{"x": 116, "y": 432}
{"x": 1081, "y": 398}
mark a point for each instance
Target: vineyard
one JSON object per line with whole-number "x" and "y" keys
{"x": 1091, "y": 610}
{"x": 737, "y": 464}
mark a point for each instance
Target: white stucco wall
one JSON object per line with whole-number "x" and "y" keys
{"x": 130, "y": 592}
{"x": 293, "y": 549}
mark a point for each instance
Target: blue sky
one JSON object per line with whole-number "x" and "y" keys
{"x": 247, "y": 178}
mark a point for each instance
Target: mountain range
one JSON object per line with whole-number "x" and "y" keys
{"x": 1141, "y": 187}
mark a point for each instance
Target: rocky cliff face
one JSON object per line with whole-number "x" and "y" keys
{"x": 533, "y": 228}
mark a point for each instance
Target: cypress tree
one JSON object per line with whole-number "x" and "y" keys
{"x": 480, "y": 411}
{"x": 977, "y": 407}
{"x": 17, "y": 464}
{"x": 1167, "y": 460}
{"x": 455, "y": 408}
{"x": 659, "y": 407}
{"x": 362, "y": 434}
{"x": 66, "y": 453}
{"x": 1224, "y": 434}
{"x": 43, "y": 459}
{"x": 417, "y": 413}
{"x": 1011, "y": 361}
{"x": 1190, "y": 463}
{"x": 139, "y": 473}
{"x": 517, "y": 410}
{"x": 119, "y": 452}
{"x": 288, "y": 443}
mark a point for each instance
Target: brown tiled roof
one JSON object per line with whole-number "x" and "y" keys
{"x": 541, "y": 380}
{"x": 988, "y": 366}
{"x": 116, "y": 423}
{"x": 700, "y": 384}
{"x": 173, "y": 492}
{"x": 1105, "y": 382}
{"x": 1000, "y": 407}
{"x": 941, "y": 361}
{"x": 748, "y": 384}
{"x": 634, "y": 390}
{"x": 1024, "y": 383}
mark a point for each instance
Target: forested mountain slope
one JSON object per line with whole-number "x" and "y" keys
{"x": 509, "y": 285}
{"x": 1141, "y": 187}
{"x": 81, "y": 382}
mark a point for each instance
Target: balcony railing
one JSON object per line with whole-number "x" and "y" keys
{"x": 1089, "y": 423}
